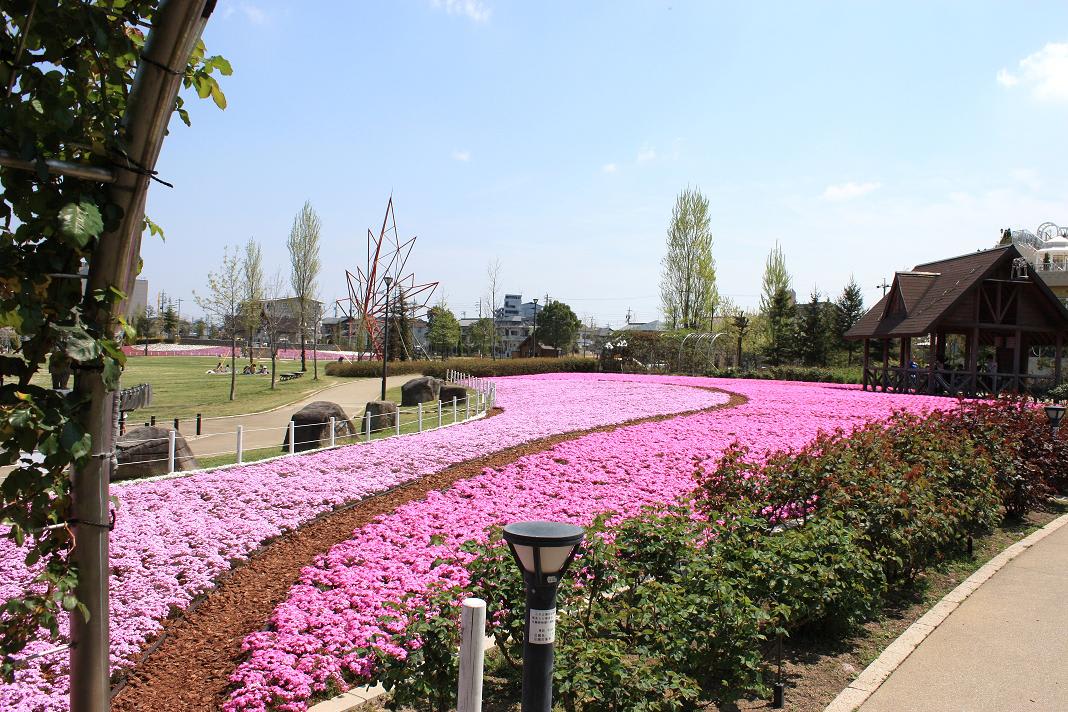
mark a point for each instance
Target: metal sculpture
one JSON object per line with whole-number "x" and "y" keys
{"x": 369, "y": 295}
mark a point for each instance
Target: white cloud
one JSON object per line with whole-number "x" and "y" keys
{"x": 646, "y": 154}
{"x": 474, "y": 10}
{"x": 608, "y": 168}
{"x": 1045, "y": 73}
{"x": 849, "y": 191}
{"x": 461, "y": 155}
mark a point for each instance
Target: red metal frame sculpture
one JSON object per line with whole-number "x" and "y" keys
{"x": 387, "y": 256}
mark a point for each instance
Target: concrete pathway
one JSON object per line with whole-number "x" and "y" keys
{"x": 267, "y": 429}
{"x": 1003, "y": 648}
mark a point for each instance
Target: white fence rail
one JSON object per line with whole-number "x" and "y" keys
{"x": 411, "y": 419}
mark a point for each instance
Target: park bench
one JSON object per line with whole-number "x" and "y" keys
{"x": 290, "y": 376}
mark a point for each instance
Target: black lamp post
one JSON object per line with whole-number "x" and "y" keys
{"x": 534, "y": 333}
{"x": 1054, "y": 414}
{"x": 385, "y": 339}
{"x": 543, "y": 551}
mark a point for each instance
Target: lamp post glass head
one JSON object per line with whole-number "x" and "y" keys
{"x": 1055, "y": 413}
{"x": 543, "y": 550}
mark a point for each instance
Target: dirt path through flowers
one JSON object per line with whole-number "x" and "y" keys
{"x": 188, "y": 665}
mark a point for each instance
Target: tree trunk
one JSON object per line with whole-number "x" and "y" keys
{"x": 274, "y": 361}
{"x": 303, "y": 355}
{"x": 233, "y": 364}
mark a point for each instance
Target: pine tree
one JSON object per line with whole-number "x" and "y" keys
{"x": 781, "y": 317}
{"x": 850, "y": 308}
{"x": 813, "y": 341}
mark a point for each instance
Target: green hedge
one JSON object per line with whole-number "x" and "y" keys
{"x": 481, "y": 367}
{"x": 679, "y": 606}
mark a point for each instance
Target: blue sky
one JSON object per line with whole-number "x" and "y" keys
{"x": 865, "y": 137}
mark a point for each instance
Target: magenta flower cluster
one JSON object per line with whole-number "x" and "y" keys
{"x": 316, "y": 635}
{"x": 173, "y": 538}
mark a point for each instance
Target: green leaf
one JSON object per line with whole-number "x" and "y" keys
{"x": 70, "y": 602}
{"x": 217, "y": 96}
{"x": 78, "y": 344}
{"x": 81, "y": 222}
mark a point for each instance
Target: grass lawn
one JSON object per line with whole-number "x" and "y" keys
{"x": 181, "y": 389}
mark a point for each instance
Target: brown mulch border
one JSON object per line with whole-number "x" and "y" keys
{"x": 187, "y": 666}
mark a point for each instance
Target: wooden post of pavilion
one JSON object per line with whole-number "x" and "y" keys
{"x": 867, "y": 356}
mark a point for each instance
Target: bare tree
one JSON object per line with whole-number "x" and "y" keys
{"x": 252, "y": 291}
{"x": 493, "y": 275}
{"x": 223, "y": 301}
{"x": 303, "y": 244}
{"x": 272, "y": 315}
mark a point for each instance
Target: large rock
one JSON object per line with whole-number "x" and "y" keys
{"x": 447, "y": 393}
{"x": 311, "y": 429}
{"x": 142, "y": 452}
{"x": 420, "y": 390}
{"x": 383, "y": 415}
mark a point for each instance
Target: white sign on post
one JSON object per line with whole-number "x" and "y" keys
{"x": 542, "y": 626}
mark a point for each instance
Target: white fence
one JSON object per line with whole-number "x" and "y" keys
{"x": 480, "y": 399}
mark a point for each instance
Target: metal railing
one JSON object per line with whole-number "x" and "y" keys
{"x": 327, "y": 434}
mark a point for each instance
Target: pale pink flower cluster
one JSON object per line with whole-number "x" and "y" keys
{"x": 173, "y": 538}
{"x": 317, "y": 635}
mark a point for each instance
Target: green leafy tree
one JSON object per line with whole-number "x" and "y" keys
{"x": 303, "y": 244}
{"x": 251, "y": 292}
{"x": 775, "y": 280}
{"x": 850, "y": 308}
{"x": 67, "y": 93}
{"x": 688, "y": 291}
{"x": 443, "y": 331}
{"x": 481, "y": 335}
{"x": 558, "y": 326}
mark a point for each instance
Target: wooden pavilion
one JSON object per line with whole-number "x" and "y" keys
{"x": 982, "y": 324}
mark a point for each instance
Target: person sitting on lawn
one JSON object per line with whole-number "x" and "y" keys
{"x": 263, "y": 370}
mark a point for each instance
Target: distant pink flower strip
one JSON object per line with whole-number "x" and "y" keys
{"x": 174, "y": 537}
{"x": 334, "y": 609}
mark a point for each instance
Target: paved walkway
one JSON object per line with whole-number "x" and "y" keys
{"x": 1004, "y": 648}
{"x": 267, "y": 429}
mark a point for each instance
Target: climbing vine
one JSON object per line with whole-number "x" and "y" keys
{"x": 66, "y": 70}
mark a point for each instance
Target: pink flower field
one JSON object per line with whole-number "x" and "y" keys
{"x": 174, "y": 537}
{"x": 332, "y": 612}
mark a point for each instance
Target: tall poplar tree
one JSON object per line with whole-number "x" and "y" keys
{"x": 251, "y": 292}
{"x": 303, "y": 244}
{"x": 688, "y": 291}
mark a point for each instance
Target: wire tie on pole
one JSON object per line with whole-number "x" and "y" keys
{"x": 110, "y": 526}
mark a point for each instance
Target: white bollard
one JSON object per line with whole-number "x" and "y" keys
{"x": 439, "y": 413}
{"x": 454, "y": 409}
{"x": 420, "y": 417}
{"x": 472, "y": 655}
{"x": 396, "y": 421}
{"x": 240, "y": 438}
{"x": 333, "y": 439}
{"x": 467, "y": 407}
{"x": 170, "y": 451}
{"x": 367, "y": 425}
{"x": 292, "y": 437}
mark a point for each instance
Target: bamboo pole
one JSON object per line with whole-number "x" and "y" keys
{"x": 472, "y": 655}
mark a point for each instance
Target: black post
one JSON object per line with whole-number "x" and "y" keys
{"x": 152, "y": 421}
{"x": 534, "y": 333}
{"x": 198, "y": 423}
{"x": 779, "y": 693}
{"x": 539, "y": 636}
{"x": 176, "y": 424}
{"x": 122, "y": 423}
